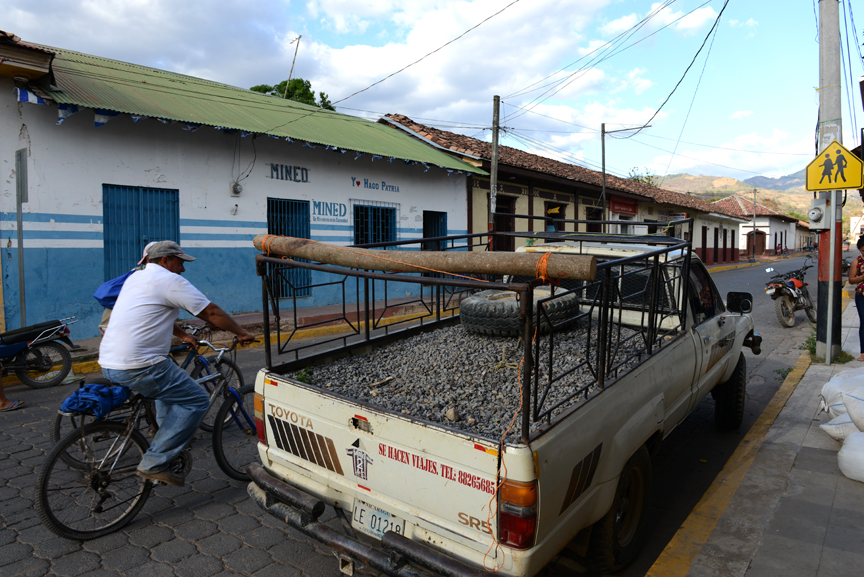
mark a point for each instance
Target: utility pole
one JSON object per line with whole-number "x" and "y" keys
{"x": 296, "y": 48}
{"x": 753, "y": 240}
{"x": 493, "y": 172}
{"x": 603, "y": 133}
{"x": 830, "y": 128}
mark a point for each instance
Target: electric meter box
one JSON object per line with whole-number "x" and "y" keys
{"x": 819, "y": 214}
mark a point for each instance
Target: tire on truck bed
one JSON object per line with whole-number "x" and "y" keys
{"x": 496, "y": 312}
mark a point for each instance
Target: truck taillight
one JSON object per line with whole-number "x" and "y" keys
{"x": 517, "y": 514}
{"x": 259, "y": 419}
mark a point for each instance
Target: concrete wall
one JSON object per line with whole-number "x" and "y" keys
{"x": 68, "y": 165}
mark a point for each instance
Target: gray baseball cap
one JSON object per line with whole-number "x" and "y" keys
{"x": 167, "y": 248}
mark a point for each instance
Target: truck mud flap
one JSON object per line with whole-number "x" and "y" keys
{"x": 301, "y": 511}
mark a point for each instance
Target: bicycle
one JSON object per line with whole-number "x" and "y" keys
{"x": 201, "y": 366}
{"x": 87, "y": 486}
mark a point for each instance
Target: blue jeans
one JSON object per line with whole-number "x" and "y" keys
{"x": 180, "y": 405}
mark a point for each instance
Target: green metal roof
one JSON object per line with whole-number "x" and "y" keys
{"x": 101, "y": 83}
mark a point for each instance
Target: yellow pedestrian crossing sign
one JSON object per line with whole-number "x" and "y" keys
{"x": 834, "y": 169}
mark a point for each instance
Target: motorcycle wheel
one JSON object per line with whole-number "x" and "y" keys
{"x": 785, "y": 311}
{"x": 809, "y": 307}
{"x": 47, "y": 364}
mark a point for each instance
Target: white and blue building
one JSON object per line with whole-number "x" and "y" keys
{"x": 99, "y": 157}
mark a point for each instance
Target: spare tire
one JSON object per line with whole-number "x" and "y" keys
{"x": 496, "y": 312}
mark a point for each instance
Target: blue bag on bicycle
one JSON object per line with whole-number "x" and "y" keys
{"x": 96, "y": 400}
{"x": 109, "y": 290}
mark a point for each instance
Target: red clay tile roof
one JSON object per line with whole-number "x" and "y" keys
{"x": 741, "y": 206}
{"x": 9, "y": 38}
{"x": 462, "y": 144}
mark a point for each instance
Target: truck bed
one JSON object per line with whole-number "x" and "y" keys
{"x": 472, "y": 378}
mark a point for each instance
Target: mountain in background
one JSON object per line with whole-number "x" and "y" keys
{"x": 785, "y": 194}
{"x": 783, "y": 183}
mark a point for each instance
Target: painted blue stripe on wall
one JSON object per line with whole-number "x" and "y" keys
{"x": 225, "y": 223}
{"x": 48, "y": 217}
{"x": 346, "y": 227}
{"x": 55, "y": 234}
{"x": 215, "y": 236}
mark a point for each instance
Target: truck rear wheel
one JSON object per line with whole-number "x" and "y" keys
{"x": 729, "y": 398}
{"x": 618, "y": 536}
{"x": 496, "y": 312}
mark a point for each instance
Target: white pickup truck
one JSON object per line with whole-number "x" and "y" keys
{"x": 418, "y": 496}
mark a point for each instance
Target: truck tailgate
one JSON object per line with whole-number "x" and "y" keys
{"x": 357, "y": 457}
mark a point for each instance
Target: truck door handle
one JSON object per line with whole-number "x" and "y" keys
{"x": 706, "y": 340}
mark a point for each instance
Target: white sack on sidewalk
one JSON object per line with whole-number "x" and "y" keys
{"x": 851, "y": 457}
{"x": 832, "y": 391}
{"x": 840, "y": 427}
{"x": 854, "y": 402}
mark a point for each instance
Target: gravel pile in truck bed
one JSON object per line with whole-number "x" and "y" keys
{"x": 450, "y": 373}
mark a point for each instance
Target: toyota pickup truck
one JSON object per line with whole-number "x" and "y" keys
{"x": 419, "y": 492}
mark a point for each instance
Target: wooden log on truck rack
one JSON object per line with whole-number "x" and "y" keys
{"x": 559, "y": 266}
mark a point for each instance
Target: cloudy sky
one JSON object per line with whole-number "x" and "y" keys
{"x": 748, "y": 105}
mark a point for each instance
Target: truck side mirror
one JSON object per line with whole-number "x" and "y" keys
{"x": 741, "y": 303}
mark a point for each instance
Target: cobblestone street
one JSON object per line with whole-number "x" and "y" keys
{"x": 209, "y": 527}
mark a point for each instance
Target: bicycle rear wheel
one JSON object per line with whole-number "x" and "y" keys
{"x": 235, "y": 440}
{"x": 233, "y": 378}
{"x": 100, "y": 496}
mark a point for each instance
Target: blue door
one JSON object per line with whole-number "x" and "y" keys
{"x": 134, "y": 216}
{"x": 289, "y": 218}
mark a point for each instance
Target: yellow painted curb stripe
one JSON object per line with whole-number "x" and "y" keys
{"x": 679, "y": 554}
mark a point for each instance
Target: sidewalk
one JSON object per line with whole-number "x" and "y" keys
{"x": 781, "y": 507}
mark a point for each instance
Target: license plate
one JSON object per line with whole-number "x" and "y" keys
{"x": 769, "y": 292}
{"x": 375, "y": 521}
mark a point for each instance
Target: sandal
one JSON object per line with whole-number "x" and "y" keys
{"x": 861, "y": 358}
{"x": 12, "y": 406}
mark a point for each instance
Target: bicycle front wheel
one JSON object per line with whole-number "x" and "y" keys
{"x": 100, "y": 496}
{"x": 235, "y": 439}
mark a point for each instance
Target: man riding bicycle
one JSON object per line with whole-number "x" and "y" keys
{"x": 134, "y": 352}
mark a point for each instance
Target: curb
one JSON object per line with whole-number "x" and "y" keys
{"x": 678, "y": 556}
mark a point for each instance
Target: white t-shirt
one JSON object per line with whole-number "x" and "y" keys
{"x": 142, "y": 323}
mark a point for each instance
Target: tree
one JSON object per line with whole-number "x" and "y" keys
{"x": 645, "y": 177}
{"x": 299, "y": 90}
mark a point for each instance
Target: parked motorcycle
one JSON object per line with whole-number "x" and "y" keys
{"x": 790, "y": 294}
{"x": 34, "y": 354}
{"x": 847, "y": 264}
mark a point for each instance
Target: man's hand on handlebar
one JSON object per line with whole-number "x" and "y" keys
{"x": 189, "y": 340}
{"x": 245, "y": 337}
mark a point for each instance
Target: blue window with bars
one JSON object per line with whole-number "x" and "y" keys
{"x": 134, "y": 216}
{"x": 374, "y": 224}
{"x": 289, "y": 218}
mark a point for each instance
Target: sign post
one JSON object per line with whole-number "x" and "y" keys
{"x": 834, "y": 169}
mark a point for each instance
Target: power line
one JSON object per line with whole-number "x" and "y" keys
{"x": 713, "y": 26}
{"x": 690, "y": 109}
{"x": 606, "y": 45}
{"x": 409, "y": 65}
{"x": 563, "y": 83}
{"x": 696, "y": 159}
{"x": 549, "y": 148}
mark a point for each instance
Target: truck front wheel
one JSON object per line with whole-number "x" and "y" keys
{"x": 618, "y": 536}
{"x": 729, "y": 398}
